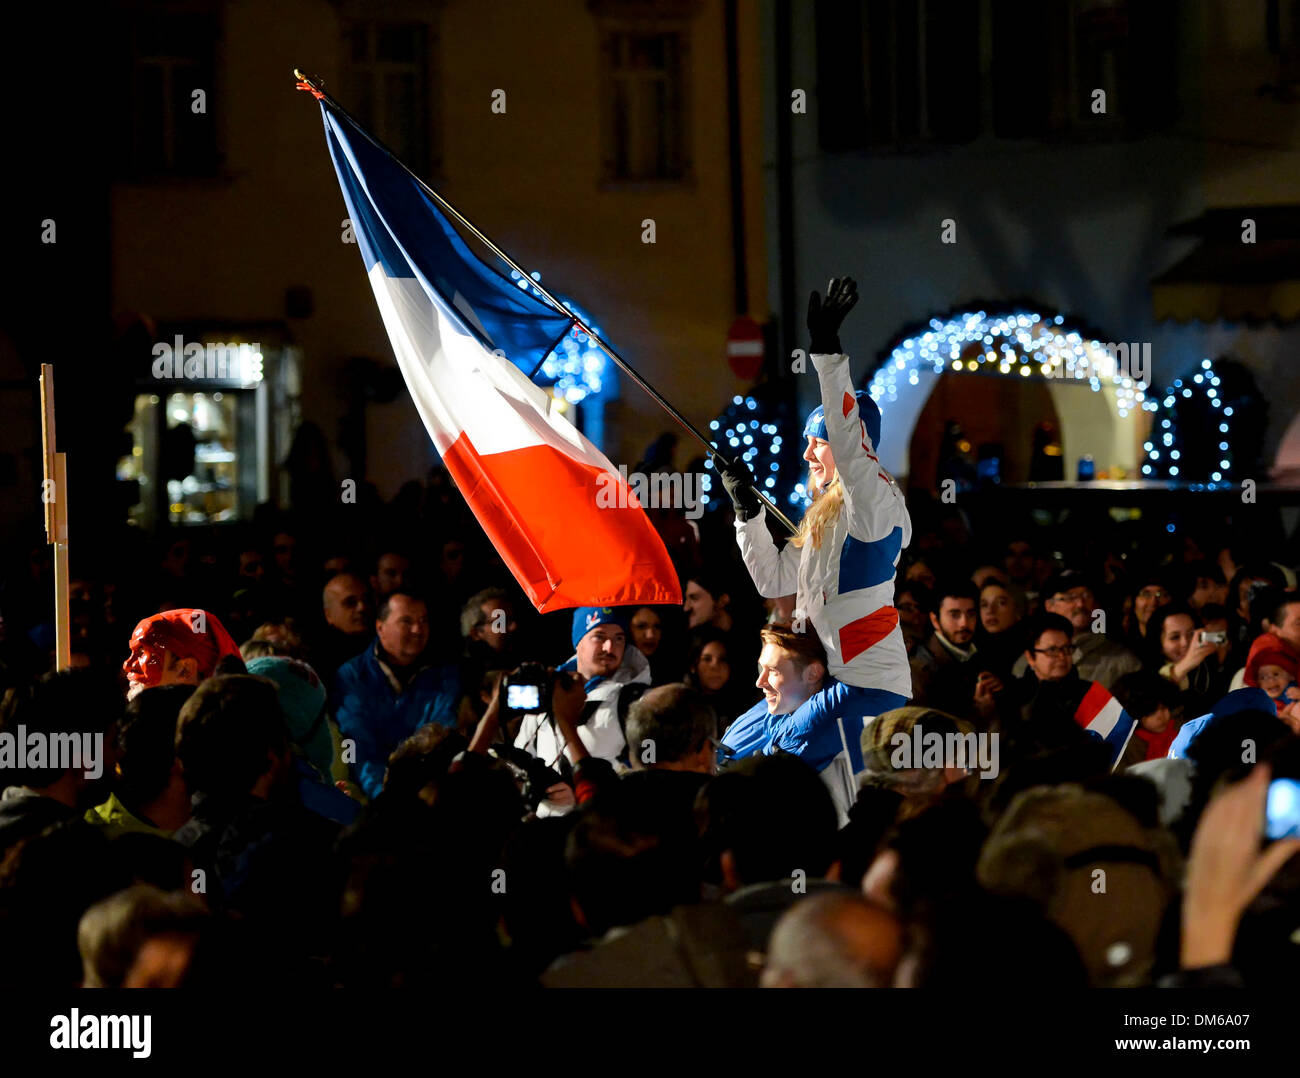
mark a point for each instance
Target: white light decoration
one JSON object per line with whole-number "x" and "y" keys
{"x": 1023, "y": 342}
{"x": 1202, "y": 381}
{"x": 751, "y": 427}
{"x": 575, "y": 367}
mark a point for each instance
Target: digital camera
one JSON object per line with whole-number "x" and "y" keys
{"x": 527, "y": 690}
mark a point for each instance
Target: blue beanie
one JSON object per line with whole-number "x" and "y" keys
{"x": 815, "y": 427}
{"x": 586, "y": 618}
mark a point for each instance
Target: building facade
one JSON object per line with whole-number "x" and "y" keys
{"x": 592, "y": 141}
{"x": 960, "y": 155}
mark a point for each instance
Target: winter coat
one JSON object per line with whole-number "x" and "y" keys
{"x": 845, "y": 587}
{"x": 377, "y": 717}
{"x": 601, "y": 730}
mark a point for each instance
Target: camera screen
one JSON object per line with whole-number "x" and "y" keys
{"x": 520, "y": 697}
{"x": 1283, "y": 810}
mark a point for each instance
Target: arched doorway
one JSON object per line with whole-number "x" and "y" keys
{"x": 997, "y": 418}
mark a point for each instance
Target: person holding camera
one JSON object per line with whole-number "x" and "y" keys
{"x": 606, "y": 664}
{"x": 1184, "y": 651}
{"x": 560, "y": 696}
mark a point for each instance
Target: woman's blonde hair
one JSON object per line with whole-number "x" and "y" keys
{"x": 822, "y": 514}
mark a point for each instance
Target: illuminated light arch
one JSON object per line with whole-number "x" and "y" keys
{"x": 1018, "y": 343}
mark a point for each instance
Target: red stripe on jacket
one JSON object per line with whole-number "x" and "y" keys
{"x": 857, "y": 636}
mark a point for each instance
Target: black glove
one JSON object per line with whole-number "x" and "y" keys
{"x": 826, "y": 315}
{"x": 738, "y": 481}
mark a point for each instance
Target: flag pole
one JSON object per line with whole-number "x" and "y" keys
{"x": 317, "y": 91}
{"x": 54, "y": 493}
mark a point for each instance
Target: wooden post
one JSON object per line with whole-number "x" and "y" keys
{"x": 54, "y": 493}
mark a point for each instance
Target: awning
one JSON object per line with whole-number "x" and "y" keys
{"x": 1224, "y": 279}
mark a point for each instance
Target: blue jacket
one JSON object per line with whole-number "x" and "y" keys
{"x": 844, "y": 588}
{"x": 378, "y": 718}
{"x": 1233, "y": 702}
{"x": 752, "y": 733}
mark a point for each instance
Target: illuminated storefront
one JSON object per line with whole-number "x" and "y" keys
{"x": 212, "y": 416}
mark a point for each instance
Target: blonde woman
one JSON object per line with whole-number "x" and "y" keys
{"x": 841, "y": 564}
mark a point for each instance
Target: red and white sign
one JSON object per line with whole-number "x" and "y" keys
{"x": 745, "y": 347}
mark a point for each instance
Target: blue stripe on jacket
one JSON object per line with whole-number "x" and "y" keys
{"x": 866, "y": 564}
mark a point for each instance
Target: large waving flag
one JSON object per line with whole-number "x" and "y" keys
{"x": 464, "y": 335}
{"x": 1101, "y": 714}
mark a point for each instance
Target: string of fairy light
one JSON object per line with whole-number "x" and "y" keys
{"x": 575, "y": 368}
{"x": 1164, "y": 447}
{"x": 1022, "y": 343}
{"x": 746, "y": 429}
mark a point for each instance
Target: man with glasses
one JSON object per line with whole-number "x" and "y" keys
{"x": 1096, "y": 656}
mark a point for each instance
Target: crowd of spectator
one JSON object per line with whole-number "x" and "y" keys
{"x": 334, "y": 785}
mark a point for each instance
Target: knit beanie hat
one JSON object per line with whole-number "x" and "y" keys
{"x": 302, "y": 703}
{"x": 586, "y": 618}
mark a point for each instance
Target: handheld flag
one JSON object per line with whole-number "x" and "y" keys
{"x": 1101, "y": 714}
{"x": 464, "y": 336}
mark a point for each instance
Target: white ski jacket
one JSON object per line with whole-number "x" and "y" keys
{"x": 601, "y": 732}
{"x": 846, "y": 587}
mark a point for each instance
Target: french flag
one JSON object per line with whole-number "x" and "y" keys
{"x": 1100, "y": 713}
{"x": 464, "y": 336}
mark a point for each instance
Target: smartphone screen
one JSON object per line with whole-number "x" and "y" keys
{"x": 1282, "y": 815}
{"x": 523, "y": 697}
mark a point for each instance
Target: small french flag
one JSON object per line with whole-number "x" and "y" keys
{"x": 1100, "y": 713}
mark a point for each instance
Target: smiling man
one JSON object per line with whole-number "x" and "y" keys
{"x": 392, "y": 689}
{"x": 791, "y": 670}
